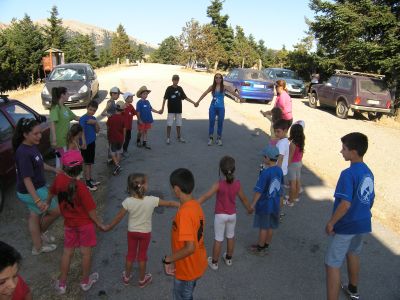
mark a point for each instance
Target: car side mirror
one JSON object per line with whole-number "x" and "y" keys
{"x": 42, "y": 119}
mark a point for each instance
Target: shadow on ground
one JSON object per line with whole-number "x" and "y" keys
{"x": 294, "y": 269}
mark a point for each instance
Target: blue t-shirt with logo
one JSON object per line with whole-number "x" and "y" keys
{"x": 143, "y": 107}
{"x": 89, "y": 129}
{"x": 218, "y": 99}
{"x": 269, "y": 185}
{"x": 355, "y": 185}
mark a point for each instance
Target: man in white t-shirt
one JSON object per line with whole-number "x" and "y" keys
{"x": 281, "y": 130}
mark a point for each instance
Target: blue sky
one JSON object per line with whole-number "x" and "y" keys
{"x": 276, "y": 22}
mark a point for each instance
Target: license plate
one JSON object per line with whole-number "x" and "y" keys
{"x": 259, "y": 86}
{"x": 374, "y": 102}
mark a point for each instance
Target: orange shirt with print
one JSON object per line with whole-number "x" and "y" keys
{"x": 188, "y": 226}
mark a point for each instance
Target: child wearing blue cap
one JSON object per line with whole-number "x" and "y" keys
{"x": 266, "y": 200}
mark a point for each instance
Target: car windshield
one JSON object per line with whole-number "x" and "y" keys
{"x": 373, "y": 85}
{"x": 254, "y": 75}
{"x": 68, "y": 74}
{"x": 286, "y": 74}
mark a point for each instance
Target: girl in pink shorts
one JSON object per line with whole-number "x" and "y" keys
{"x": 79, "y": 211}
{"x": 140, "y": 210}
{"x": 225, "y": 210}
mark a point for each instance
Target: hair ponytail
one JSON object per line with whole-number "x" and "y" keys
{"x": 70, "y": 194}
{"x": 136, "y": 184}
{"x": 227, "y": 167}
{"x": 24, "y": 126}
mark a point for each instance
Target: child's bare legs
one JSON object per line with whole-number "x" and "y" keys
{"x": 88, "y": 171}
{"x": 115, "y": 159}
{"x": 216, "y": 250}
{"x": 34, "y": 229}
{"x": 65, "y": 263}
{"x": 128, "y": 268}
{"x": 292, "y": 190}
{"x": 86, "y": 262}
{"x": 142, "y": 270}
{"x": 264, "y": 237}
{"x": 178, "y": 132}
{"x": 332, "y": 282}
{"x": 49, "y": 218}
{"x": 353, "y": 268}
{"x": 144, "y": 134}
{"x": 298, "y": 187}
{"x": 230, "y": 245}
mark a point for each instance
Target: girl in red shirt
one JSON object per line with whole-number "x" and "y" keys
{"x": 79, "y": 211}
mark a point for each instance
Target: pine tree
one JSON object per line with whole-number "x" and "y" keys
{"x": 120, "y": 44}
{"x": 81, "y": 48}
{"x": 56, "y": 34}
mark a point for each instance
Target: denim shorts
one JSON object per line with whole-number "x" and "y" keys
{"x": 266, "y": 221}
{"x": 183, "y": 289}
{"x": 341, "y": 244}
{"x": 30, "y": 203}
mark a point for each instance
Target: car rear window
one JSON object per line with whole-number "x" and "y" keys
{"x": 6, "y": 129}
{"x": 254, "y": 75}
{"x": 17, "y": 112}
{"x": 68, "y": 74}
{"x": 286, "y": 74}
{"x": 373, "y": 85}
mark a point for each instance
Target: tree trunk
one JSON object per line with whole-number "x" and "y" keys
{"x": 243, "y": 63}
{"x": 260, "y": 64}
{"x": 216, "y": 66}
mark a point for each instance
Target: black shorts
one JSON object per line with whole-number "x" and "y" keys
{"x": 115, "y": 148}
{"x": 88, "y": 154}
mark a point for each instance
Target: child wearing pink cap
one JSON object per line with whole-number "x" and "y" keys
{"x": 79, "y": 211}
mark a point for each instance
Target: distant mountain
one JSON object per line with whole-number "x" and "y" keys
{"x": 102, "y": 37}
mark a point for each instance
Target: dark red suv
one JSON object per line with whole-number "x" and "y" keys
{"x": 350, "y": 91}
{"x": 10, "y": 112}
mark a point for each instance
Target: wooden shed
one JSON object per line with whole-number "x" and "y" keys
{"x": 53, "y": 58}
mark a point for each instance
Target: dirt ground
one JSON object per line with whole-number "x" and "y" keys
{"x": 322, "y": 159}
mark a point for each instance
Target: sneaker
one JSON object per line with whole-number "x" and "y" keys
{"x": 90, "y": 186}
{"x": 117, "y": 170}
{"x": 211, "y": 264}
{"x": 126, "y": 279}
{"x": 146, "y": 281}
{"x": 168, "y": 141}
{"x": 227, "y": 261}
{"x": 60, "y": 289}
{"x": 258, "y": 251}
{"x": 297, "y": 200}
{"x": 45, "y": 249}
{"x": 219, "y": 142}
{"x": 146, "y": 146}
{"x": 210, "y": 141}
{"x": 94, "y": 182}
{"x": 92, "y": 280}
{"x": 109, "y": 161}
{"x": 288, "y": 203}
{"x": 351, "y": 295}
{"x": 47, "y": 237}
{"x": 181, "y": 140}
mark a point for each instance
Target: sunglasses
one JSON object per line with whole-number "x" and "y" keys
{"x": 27, "y": 121}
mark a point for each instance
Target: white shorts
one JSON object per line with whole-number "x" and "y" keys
{"x": 224, "y": 225}
{"x": 176, "y": 117}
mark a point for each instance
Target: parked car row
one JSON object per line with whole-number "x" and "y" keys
{"x": 10, "y": 112}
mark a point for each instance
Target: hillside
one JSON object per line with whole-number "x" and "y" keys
{"x": 101, "y": 36}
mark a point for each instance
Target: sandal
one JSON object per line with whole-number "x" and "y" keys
{"x": 146, "y": 281}
{"x": 126, "y": 279}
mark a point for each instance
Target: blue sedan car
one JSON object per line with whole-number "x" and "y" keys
{"x": 250, "y": 84}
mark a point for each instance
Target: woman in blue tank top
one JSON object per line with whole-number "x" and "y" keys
{"x": 217, "y": 107}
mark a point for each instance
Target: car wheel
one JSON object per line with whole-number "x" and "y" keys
{"x": 341, "y": 109}
{"x": 372, "y": 116}
{"x": 313, "y": 100}
{"x": 2, "y": 197}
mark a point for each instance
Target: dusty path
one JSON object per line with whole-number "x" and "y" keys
{"x": 294, "y": 269}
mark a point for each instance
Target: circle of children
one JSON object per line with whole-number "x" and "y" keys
{"x": 70, "y": 196}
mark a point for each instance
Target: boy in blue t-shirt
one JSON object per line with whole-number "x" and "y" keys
{"x": 266, "y": 200}
{"x": 351, "y": 218}
{"x": 90, "y": 127}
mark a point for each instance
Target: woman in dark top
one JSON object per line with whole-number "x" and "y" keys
{"x": 31, "y": 184}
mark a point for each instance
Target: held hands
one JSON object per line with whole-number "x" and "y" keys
{"x": 250, "y": 210}
{"x": 42, "y": 206}
{"x": 84, "y": 146}
{"x": 104, "y": 228}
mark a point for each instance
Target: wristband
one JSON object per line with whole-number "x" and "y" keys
{"x": 164, "y": 261}
{"x": 37, "y": 200}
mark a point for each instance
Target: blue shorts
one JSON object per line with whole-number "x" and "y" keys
{"x": 183, "y": 290}
{"x": 266, "y": 221}
{"x": 30, "y": 203}
{"x": 341, "y": 244}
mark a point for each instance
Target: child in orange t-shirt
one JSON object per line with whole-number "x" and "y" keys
{"x": 188, "y": 260}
